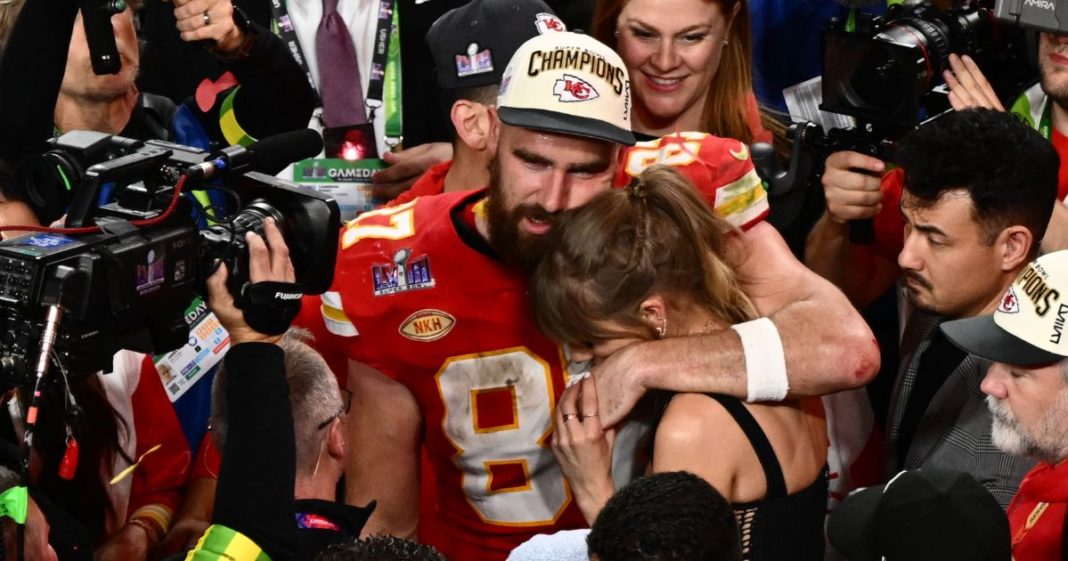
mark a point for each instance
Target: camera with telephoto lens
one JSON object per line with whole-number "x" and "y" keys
{"x": 886, "y": 71}
{"x": 127, "y": 285}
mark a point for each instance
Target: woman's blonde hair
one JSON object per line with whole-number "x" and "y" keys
{"x": 655, "y": 237}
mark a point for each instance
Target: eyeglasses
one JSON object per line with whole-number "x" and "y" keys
{"x": 346, "y": 404}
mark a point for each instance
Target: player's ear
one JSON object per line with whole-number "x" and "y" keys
{"x": 472, "y": 122}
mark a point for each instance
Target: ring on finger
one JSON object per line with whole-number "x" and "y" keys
{"x": 569, "y": 416}
{"x": 207, "y": 18}
{"x": 587, "y": 416}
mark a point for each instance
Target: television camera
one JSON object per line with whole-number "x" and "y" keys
{"x": 132, "y": 257}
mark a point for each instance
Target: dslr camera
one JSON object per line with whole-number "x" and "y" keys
{"x": 133, "y": 254}
{"x": 886, "y": 71}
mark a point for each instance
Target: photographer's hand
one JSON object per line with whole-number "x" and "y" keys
{"x": 267, "y": 262}
{"x": 210, "y": 20}
{"x": 851, "y": 184}
{"x": 967, "y": 85}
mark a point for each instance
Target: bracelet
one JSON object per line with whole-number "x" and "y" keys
{"x": 155, "y": 534}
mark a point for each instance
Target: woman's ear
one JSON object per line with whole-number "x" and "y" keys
{"x": 653, "y": 312}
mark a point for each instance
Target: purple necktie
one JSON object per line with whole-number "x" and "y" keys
{"x": 339, "y": 74}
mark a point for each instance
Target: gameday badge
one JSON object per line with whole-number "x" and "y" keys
{"x": 572, "y": 88}
{"x": 1009, "y": 304}
{"x": 474, "y": 62}
{"x": 402, "y": 275}
{"x": 427, "y": 325}
{"x": 548, "y": 22}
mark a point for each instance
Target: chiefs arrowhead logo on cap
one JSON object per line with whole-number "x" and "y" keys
{"x": 572, "y": 88}
{"x": 1009, "y": 304}
{"x": 546, "y": 22}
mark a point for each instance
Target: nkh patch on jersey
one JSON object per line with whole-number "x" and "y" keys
{"x": 720, "y": 168}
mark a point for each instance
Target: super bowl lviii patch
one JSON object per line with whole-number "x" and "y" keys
{"x": 474, "y": 62}
{"x": 403, "y": 274}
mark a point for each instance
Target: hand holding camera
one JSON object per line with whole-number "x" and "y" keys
{"x": 268, "y": 263}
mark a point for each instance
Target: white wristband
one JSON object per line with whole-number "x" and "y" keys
{"x": 765, "y": 363}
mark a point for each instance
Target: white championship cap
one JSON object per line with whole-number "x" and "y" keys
{"x": 1030, "y": 326}
{"x": 568, "y": 83}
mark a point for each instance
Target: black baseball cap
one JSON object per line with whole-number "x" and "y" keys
{"x": 472, "y": 44}
{"x": 921, "y": 515}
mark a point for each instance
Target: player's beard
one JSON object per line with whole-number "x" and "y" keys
{"x": 512, "y": 245}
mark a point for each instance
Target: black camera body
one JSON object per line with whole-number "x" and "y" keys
{"x": 128, "y": 285}
{"x": 885, "y": 71}
{"x": 1034, "y": 14}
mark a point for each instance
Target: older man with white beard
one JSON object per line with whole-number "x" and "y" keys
{"x": 1027, "y": 392}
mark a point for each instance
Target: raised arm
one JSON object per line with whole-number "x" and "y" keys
{"x": 383, "y": 465}
{"x": 274, "y": 94}
{"x": 852, "y": 188}
{"x": 826, "y": 344}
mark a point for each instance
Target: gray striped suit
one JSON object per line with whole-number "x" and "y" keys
{"x": 954, "y": 433}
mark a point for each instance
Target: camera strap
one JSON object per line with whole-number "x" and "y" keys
{"x": 270, "y": 307}
{"x": 384, "y": 88}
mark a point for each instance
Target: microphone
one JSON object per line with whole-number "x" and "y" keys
{"x": 96, "y": 18}
{"x": 270, "y": 155}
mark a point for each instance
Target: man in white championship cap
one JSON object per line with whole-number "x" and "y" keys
{"x": 1027, "y": 392}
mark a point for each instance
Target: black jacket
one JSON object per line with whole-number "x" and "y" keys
{"x": 258, "y": 472}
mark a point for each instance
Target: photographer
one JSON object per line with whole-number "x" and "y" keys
{"x": 979, "y": 188}
{"x": 859, "y": 187}
{"x": 279, "y": 421}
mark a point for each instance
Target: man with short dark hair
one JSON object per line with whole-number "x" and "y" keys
{"x": 670, "y": 515}
{"x": 381, "y": 548}
{"x": 979, "y": 188}
{"x": 1027, "y": 392}
{"x": 471, "y": 45}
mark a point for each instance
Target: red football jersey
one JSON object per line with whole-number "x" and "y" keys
{"x": 720, "y": 168}
{"x": 418, "y": 295}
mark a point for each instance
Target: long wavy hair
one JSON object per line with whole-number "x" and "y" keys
{"x": 726, "y": 103}
{"x": 99, "y": 431}
{"x": 655, "y": 237}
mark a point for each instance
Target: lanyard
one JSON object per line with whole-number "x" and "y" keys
{"x": 385, "y": 63}
{"x": 394, "y": 121}
{"x": 1045, "y": 125}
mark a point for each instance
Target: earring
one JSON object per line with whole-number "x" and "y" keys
{"x": 725, "y": 42}
{"x": 661, "y": 330}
